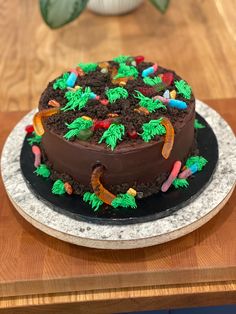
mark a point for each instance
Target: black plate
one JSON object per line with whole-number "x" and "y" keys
{"x": 151, "y": 208}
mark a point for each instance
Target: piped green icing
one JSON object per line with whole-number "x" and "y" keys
{"x": 61, "y": 82}
{"x": 180, "y": 183}
{"x": 121, "y": 59}
{"x": 198, "y": 125}
{"x": 112, "y": 135}
{"x": 151, "y": 129}
{"x": 124, "y": 200}
{"x": 149, "y": 103}
{"x": 88, "y": 67}
{"x": 77, "y": 99}
{"x": 93, "y": 200}
{"x": 35, "y": 139}
{"x": 76, "y": 126}
{"x": 152, "y": 81}
{"x": 43, "y": 171}
{"x": 58, "y": 187}
{"x": 183, "y": 88}
{"x": 116, "y": 93}
{"x": 199, "y": 160}
{"x": 126, "y": 71}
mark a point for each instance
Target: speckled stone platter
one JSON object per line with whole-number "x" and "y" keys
{"x": 69, "y": 229}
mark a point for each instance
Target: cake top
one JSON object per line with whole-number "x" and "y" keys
{"x": 126, "y": 100}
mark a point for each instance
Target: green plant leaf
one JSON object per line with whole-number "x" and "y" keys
{"x": 57, "y": 13}
{"x": 161, "y": 5}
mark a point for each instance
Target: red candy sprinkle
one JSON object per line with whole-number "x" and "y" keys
{"x": 139, "y": 59}
{"x": 29, "y": 128}
{"x": 168, "y": 78}
{"x": 132, "y": 134}
{"x": 147, "y": 91}
{"x": 102, "y": 124}
{"x": 104, "y": 102}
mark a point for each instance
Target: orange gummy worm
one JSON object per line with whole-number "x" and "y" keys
{"x": 37, "y": 120}
{"x": 169, "y": 138}
{"x": 102, "y": 193}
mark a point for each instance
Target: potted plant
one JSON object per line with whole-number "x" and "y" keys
{"x": 57, "y": 13}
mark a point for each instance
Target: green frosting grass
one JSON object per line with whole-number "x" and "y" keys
{"x": 126, "y": 71}
{"x": 93, "y": 200}
{"x": 183, "y": 89}
{"x": 58, "y": 188}
{"x": 116, "y": 93}
{"x": 152, "y": 81}
{"x": 77, "y": 99}
{"x": 34, "y": 139}
{"x": 43, "y": 171}
{"x": 199, "y": 160}
{"x": 121, "y": 59}
{"x": 112, "y": 135}
{"x": 124, "y": 200}
{"x": 61, "y": 82}
{"x": 198, "y": 125}
{"x": 76, "y": 126}
{"x": 180, "y": 183}
{"x": 151, "y": 129}
{"x": 88, "y": 67}
{"x": 149, "y": 103}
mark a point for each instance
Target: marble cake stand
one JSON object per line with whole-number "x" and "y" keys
{"x": 67, "y": 228}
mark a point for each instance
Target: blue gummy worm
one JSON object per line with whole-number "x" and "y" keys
{"x": 147, "y": 71}
{"x": 179, "y": 104}
{"x": 193, "y": 168}
{"x": 71, "y": 80}
{"x": 92, "y": 95}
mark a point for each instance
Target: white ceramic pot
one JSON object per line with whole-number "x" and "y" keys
{"x": 113, "y": 7}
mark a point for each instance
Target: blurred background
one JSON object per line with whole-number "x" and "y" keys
{"x": 196, "y": 38}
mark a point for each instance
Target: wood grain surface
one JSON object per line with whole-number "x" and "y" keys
{"x": 197, "y": 38}
{"x": 36, "y": 269}
{"x": 39, "y": 274}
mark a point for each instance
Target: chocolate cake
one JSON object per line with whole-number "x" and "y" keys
{"x": 114, "y": 131}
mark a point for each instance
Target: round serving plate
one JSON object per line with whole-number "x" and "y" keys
{"x": 68, "y": 227}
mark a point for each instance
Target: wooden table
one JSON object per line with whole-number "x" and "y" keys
{"x": 40, "y": 274}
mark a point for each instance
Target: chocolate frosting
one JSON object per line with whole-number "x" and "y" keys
{"x": 127, "y": 163}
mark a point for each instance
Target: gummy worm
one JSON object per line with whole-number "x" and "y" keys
{"x": 37, "y": 120}
{"x": 102, "y": 193}
{"x": 37, "y": 155}
{"x": 169, "y": 137}
{"x": 173, "y": 175}
{"x": 188, "y": 172}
